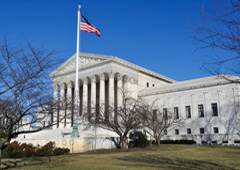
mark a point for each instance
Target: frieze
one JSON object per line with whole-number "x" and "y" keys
{"x": 213, "y": 95}
{"x": 82, "y": 62}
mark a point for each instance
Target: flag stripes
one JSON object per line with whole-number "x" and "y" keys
{"x": 89, "y": 27}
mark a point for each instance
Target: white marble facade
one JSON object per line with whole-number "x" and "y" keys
{"x": 213, "y": 102}
{"x": 209, "y": 108}
{"x": 100, "y": 80}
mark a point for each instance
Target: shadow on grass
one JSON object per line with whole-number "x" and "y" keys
{"x": 13, "y": 163}
{"x": 171, "y": 163}
{"x": 9, "y": 164}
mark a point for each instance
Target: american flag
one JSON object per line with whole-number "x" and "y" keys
{"x": 89, "y": 27}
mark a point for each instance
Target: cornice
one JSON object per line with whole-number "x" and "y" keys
{"x": 105, "y": 60}
{"x": 185, "y": 87}
{"x": 143, "y": 70}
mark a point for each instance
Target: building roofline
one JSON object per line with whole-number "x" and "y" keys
{"x": 109, "y": 58}
{"x": 191, "y": 84}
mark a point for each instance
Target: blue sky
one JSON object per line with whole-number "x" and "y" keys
{"x": 153, "y": 34}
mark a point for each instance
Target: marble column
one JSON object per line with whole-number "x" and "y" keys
{"x": 62, "y": 112}
{"x": 69, "y": 104}
{"x": 93, "y": 98}
{"x": 119, "y": 90}
{"x": 55, "y": 108}
{"x": 126, "y": 86}
{"x": 102, "y": 94}
{"x": 111, "y": 89}
{"x": 85, "y": 98}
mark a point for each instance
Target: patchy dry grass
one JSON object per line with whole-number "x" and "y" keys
{"x": 164, "y": 157}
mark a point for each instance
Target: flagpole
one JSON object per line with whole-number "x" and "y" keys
{"x": 75, "y": 132}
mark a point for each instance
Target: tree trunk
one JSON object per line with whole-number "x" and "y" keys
{"x": 158, "y": 142}
{"x": 151, "y": 143}
{"x": 124, "y": 142}
{"x": 0, "y": 158}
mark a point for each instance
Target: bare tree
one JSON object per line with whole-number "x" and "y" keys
{"x": 220, "y": 30}
{"x": 25, "y": 89}
{"x": 159, "y": 121}
{"x": 130, "y": 115}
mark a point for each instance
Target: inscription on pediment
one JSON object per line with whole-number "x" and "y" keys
{"x": 87, "y": 61}
{"x": 82, "y": 62}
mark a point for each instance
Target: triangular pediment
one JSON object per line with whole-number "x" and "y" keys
{"x": 87, "y": 60}
{"x": 84, "y": 60}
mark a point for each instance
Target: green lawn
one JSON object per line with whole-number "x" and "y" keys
{"x": 165, "y": 157}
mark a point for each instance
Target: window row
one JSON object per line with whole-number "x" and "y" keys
{"x": 201, "y": 110}
{"x": 188, "y": 111}
{"x": 201, "y": 131}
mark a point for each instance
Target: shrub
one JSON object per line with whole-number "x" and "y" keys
{"x": 49, "y": 146}
{"x": 138, "y": 139}
{"x": 16, "y": 150}
{"x": 61, "y": 151}
{"x": 13, "y": 150}
{"x": 46, "y": 150}
{"x": 189, "y": 142}
{"x": 28, "y": 150}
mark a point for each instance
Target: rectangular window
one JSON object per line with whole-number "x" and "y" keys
{"x": 201, "y": 130}
{"x": 176, "y": 114}
{"x": 176, "y": 131}
{"x": 215, "y": 129}
{"x": 200, "y": 110}
{"x": 214, "y": 109}
{"x": 188, "y": 111}
{"x": 165, "y": 117}
{"x": 147, "y": 84}
{"x": 189, "y": 132}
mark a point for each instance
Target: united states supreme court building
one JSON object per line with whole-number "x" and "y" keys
{"x": 209, "y": 106}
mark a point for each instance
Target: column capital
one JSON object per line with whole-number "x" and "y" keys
{"x": 85, "y": 81}
{"x": 63, "y": 86}
{"x": 70, "y": 84}
{"x": 55, "y": 87}
{"x": 93, "y": 79}
{"x": 126, "y": 79}
{"x": 102, "y": 76}
{"x": 111, "y": 74}
{"x": 119, "y": 77}
{"x": 132, "y": 80}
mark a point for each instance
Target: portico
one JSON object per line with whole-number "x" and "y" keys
{"x": 102, "y": 80}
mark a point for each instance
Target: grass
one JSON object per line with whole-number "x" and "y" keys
{"x": 164, "y": 157}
